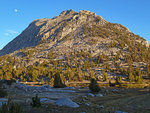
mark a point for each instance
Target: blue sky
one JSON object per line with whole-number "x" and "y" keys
{"x": 16, "y": 15}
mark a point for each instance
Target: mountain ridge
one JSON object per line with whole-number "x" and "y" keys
{"x": 44, "y": 29}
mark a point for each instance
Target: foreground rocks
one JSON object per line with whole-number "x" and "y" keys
{"x": 66, "y": 102}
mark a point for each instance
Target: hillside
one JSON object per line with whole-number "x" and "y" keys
{"x": 79, "y": 46}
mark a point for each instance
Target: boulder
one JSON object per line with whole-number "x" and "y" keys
{"x": 46, "y": 100}
{"x": 88, "y": 104}
{"x": 66, "y": 102}
{"x": 99, "y": 95}
{"x": 90, "y": 94}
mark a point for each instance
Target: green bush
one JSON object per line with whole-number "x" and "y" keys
{"x": 94, "y": 86}
{"x": 36, "y": 102}
{"x": 11, "y": 107}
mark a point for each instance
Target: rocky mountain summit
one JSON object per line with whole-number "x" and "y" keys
{"x": 72, "y": 31}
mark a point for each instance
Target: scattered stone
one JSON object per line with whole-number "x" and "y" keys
{"x": 35, "y": 91}
{"x": 84, "y": 96}
{"x": 82, "y": 112}
{"x": 66, "y": 102}
{"x": 83, "y": 100}
{"x": 79, "y": 103}
{"x": 88, "y": 104}
{"x": 120, "y": 112}
{"x": 115, "y": 90}
{"x": 28, "y": 100}
{"x": 90, "y": 94}
{"x": 99, "y": 95}
{"x": 101, "y": 106}
{"x": 46, "y": 100}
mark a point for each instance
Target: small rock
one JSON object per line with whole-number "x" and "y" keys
{"x": 88, "y": 104}
{"x": 101, "y": 106}
{"x": 120, "y": 112}
{"x": 114, "y": 90}
{"x": 45, "y": 100}
{"x": 66, "y": 102}
{"x": 84, "y": 96}
{"x": 28, "y": 100}
{"x": 82, "y": 112}
{"x": 35, "y": 91}
{"x": 90, "y": 94}
{"x": 99, "y": 95}
{"x": 83, "y": 100}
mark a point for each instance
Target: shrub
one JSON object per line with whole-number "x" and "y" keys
{"x": 94, "y": 86}
{"x": 105, "y": 76}
{"x": 36, "y": 101}
{"x": 58, "y": 81}
{"x": 11, "y": 107}
{"x": 111, "y": 84}
{"x": 118, "y": 80}
{"x": 3, "y": 93}
{"x": 9, "y": 82}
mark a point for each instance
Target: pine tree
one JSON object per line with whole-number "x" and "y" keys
{"x": 43, "y": 82}
{"x": 58, "y": 81}
{"x": 105, "y": 76}
{"x": 94, "y": 86}
{"x": 131, "y": 77}
{"x": 118, "y": 80}
{"x": 36, "y": 101}
{"x": 79, "y": 73}
{"x": 138, "y": 76}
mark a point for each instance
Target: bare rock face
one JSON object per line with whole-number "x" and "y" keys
{"x": 43, "y": 29}
{"x": 69, "y": 32}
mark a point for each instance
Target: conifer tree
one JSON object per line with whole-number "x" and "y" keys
{"x": 105, "y": 76}
{"x": 58, "y": 81}
{"x": 94, "y": 86}
{"x": 131, "y": 77}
